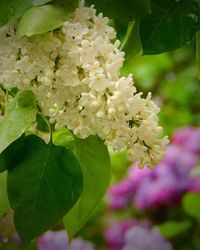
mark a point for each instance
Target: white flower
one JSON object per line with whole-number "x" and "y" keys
{"x": 75, "y": 75}
{"x": 99, "y": 82}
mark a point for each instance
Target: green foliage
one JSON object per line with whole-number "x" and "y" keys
{"x": 38, "y": 20}
{"x": 13, "y": 9}
{"x": 118, "y": 9}
{"x": 131, "y": 44}
{"x": 191, "y": 205}
{"x": 41, "y": 2}
{"x": 170, "y": 25}
{"x": 166, "y": 26}
{"x": 4, "y": 204}
{"x": 119, "y": 164}
{"x": 94, "y": 159}
{"x": 19, "y": 115}
{"x": 44, "y": 183}
{"x": 64, "y": 138}
{"x": 171, "y": 229}
{"x": 6, "y": 157}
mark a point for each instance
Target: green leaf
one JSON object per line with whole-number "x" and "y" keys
{"x": 38, "y": 20}
{"x": 131, "y": 44}
{"x": 40, "y": 2}
{"x": 64, "y": 138}
{"x": 19, "y": 115}
{"x": 4, "y": 204}
{"x": 10, "y": 10}
{"x": 94, "y": 159}
{"x": 44, "y": 183}
{"x": 171, "y": 229}
{"x": 68, "y": 5}
{"x": 191, "y": 204}
{"x": 118, "y": 9}
{"x": 171, "y": 25}
{"x": 6, "y": 157}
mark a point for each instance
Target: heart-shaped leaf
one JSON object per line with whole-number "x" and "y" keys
{"x": 44, "y": 183}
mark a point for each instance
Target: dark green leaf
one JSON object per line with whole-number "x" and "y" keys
{"x": 39, "y": 20}
{"x": 4, "y": 204}
{"x": 68, "y": 5}
{"x": 131, "y": 44}
{"x": 171, "y": 25}
{"x": 6, "y": 157}
{"x": 118, "y": 9}
{"x": 191, "y": 204}
{"x": 13, "y": 9}
{"x": 19, "y": 115}
{"x": 171, "y": 229}
{"x": 121, "y": 28}
{"x": 44, "y": 183}
{"x": 94, "y": 159}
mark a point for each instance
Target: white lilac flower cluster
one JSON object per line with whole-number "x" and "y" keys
{"x": 75, "y": 73}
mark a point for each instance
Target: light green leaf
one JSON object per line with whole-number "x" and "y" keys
{"x": 64, "y": 138}
{"x": 94, "y": 159}
{"x": 19, "y": 115}
{"x": 40, "y": 2}
{"x": 10, "y": 10}
{"x": 4, "y": 204}
{"x": 44, "y": 183}
{"x": 38, "y": 20}
{"x": 191, "y": 204}
{"x": 171, "y": 229}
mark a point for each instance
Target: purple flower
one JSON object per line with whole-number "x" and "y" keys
{"x": 164, "y": 185}
{"x": 161, "y": 188}
{"x": 180, "y": 160}
{"x": 115, "y": 234}
{"x": 188, "y": 138}
{"x": 121, "y": 194}
{"x": 140, "y": 238}
{"x": 59, "y": 240}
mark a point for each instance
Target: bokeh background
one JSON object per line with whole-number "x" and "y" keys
{"x": 146, "y": 209}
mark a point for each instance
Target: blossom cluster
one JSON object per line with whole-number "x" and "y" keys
{"x": 135, "y": 235}
{"x": 52, "y": 240}
{"x": 74, "y": 72}
{"x": 164, "y": 185}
